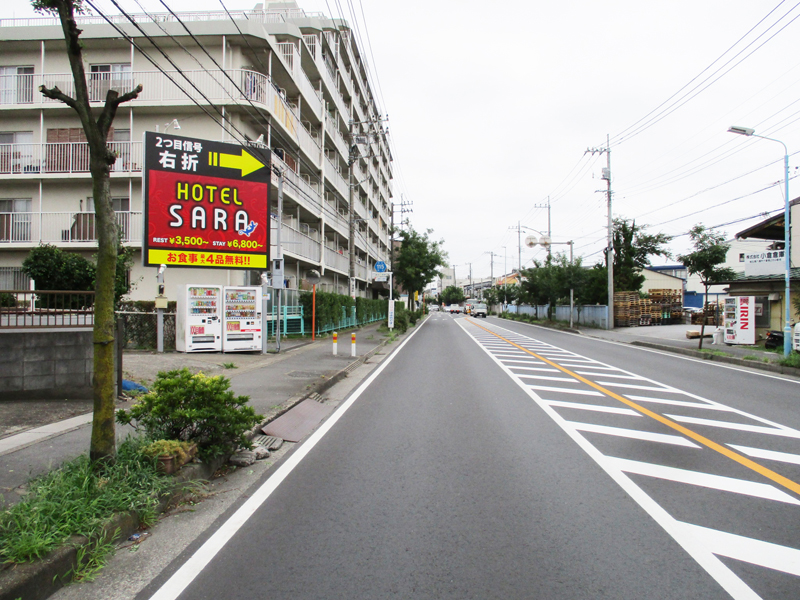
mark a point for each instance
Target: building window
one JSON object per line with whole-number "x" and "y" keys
{"x": 103, "y": 78}
{"x": 16, "y": 152}
{"x": 12, "y": 278}
{"x": 741, "y": 257}
{"x": 16, "y": 85}
{"x": 122, "y": 209}
{"x": 15, "y": 220}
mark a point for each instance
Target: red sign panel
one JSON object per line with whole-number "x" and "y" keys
{"x": 206, "y": 204}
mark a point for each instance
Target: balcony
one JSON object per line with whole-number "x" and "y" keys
{"x": 68, "y": 157}
{"x": 338, "y": 260}
{"x": 74, "y": 228}
{"x": 300, "y": 244}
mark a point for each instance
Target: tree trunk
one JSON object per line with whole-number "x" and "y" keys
{"x": 703, "y": 326}
{"x": 103, "y": 444}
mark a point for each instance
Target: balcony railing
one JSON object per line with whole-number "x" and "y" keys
{"x": 63, "y": 227}
{"x": 337, "y": 260}
{"x": 66, "y": 157}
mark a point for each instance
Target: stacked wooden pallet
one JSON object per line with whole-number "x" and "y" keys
{"x": 627, "y": 309}
{"x": 668, "y": 304}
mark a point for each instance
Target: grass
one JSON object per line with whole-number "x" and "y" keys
{"x": 79, "y": 498}
{"x": 793, "y": 360}
{"x": 229, "y": 365}
{"x": 714, "y": 352}
{"x": 755, "y": 358}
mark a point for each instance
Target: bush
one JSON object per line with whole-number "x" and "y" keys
{"x": 7, "y": 300}
{"x": 193, "y": 408}
{"x": 401, "y": 317}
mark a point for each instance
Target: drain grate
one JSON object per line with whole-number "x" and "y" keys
{"x": 270, "y": 442}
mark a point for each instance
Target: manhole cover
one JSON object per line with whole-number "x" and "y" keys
{"x": 304, "y": 374}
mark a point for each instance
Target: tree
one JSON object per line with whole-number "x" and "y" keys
{"x": 96, "y": 124}
{"x": 416, "y": 263}
{"x": 710, "y": 251}
{"x": 452, "y": 295}
{"x": 52, "y": 268}
{"x": 632, "y": 251}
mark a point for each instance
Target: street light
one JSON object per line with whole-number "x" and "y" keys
{"x": 546, "y": 242}
{"x": 787, "y": 328}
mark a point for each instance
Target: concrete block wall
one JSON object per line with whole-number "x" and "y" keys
{"x": 48, "y": 364}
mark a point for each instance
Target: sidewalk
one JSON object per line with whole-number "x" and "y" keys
{"x": 34, "y": 441}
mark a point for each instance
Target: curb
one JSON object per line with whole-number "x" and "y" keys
{"x": 732, "y": 360}
{"x": 316, "y": 389}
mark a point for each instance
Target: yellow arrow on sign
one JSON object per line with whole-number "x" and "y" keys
{"x": 246, "y": 163}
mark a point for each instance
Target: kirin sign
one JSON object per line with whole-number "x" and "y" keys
{"x": 205, "y": 204}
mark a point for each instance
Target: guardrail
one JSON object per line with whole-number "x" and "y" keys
{"x": 26, "y": 309}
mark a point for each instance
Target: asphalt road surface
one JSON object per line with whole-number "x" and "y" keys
{"x": 491, "y": 459}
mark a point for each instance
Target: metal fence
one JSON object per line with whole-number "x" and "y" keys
{"x": 141, "y": 330}
{"x": 21, "y": 309}
{"x": 586, "y": 314}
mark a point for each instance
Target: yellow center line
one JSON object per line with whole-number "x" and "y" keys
{"x": 742, "y": 460}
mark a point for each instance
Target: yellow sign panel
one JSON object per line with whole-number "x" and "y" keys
{"x": 221, "y": 260}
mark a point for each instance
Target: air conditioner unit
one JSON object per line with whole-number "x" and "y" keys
{"x": 775, "y": 297}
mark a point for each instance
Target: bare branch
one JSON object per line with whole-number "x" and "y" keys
{"x": 113, "y": 100}
{"x": 56, "y": 94}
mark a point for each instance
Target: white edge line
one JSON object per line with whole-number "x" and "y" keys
{"x": 184, "y": 576}
{"x": 729, "y": 581}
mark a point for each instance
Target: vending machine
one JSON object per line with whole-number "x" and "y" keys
{"x": 740, "y": 320}
{"x": 198, "y": 326}
{"x": 241, "y": 325}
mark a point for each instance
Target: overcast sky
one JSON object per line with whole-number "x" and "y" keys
{"x": 492, "y": 107}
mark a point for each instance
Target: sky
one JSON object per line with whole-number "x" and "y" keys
{"x": 492, "y": 107}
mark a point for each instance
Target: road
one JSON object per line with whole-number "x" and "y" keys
{"x": 492, "y": 459}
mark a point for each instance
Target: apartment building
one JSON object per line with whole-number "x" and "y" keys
{"x": 284, "y": 79}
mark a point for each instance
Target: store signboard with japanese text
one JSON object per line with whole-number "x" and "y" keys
{"x": 205, "y": 204}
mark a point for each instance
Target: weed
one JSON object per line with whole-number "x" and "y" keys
{"x": 77, "y": 499}
{"x": 92, "y": 558}
{"x": 793, "y": 360}
{"x": 229, "y": 365}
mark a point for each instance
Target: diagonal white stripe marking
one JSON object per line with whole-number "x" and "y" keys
{"x": 545, "y": 378}
{"x": 588, "y": 366}
{"x": 634, "y": 434}
{"x": 632, "y": 386}
{"x": 707, "y": 480}
{"x": 792, "y": 433}
{"x": 530, "y": 361}
{"x": 757, "y": 552}
{"x": 718, "y": 407}
{"x": 768, "y": 454}
{"x": 594, "y": 407}
{"x": 545, "y": 388}
{"x": 634, "y": 377}
{"x": 547, "y": 369}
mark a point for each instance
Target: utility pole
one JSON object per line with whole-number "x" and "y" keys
{"x": 549, "y": 232}
{"x": 610, "y": 242}
{"x": 351, "y": 159}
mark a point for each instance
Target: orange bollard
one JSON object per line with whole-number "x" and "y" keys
{"x": 335, "y": 342}
{"x": 352, "y": 344}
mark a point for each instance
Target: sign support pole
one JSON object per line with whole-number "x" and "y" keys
{"x": 313, "y": 311}
{"x": 279, "y": 286}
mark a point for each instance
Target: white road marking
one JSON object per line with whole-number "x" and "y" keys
{"x": 635, "y": 434}
{"x": 682, "y": 403}
{"x": 782, "y": 432}
{"x": 757, "y": 552}
{"x": 646, "y": 388}
{"x": 545, "y": 378}
{"x": 594, "y": 407}
{"x": 547, "y": 369}
{"x": 544, "y": 388}
{"x": 632, "y": 377}
{"x": 768, "y": 454}
{"x": 707, "y": 480}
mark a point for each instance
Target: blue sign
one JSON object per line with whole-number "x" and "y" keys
{"x": 380, "y": 266}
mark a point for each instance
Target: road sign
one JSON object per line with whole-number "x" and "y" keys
{"x": 205, "y": 203}
{"x": 380, "y": 266}
{"x": 380, "y": 277}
